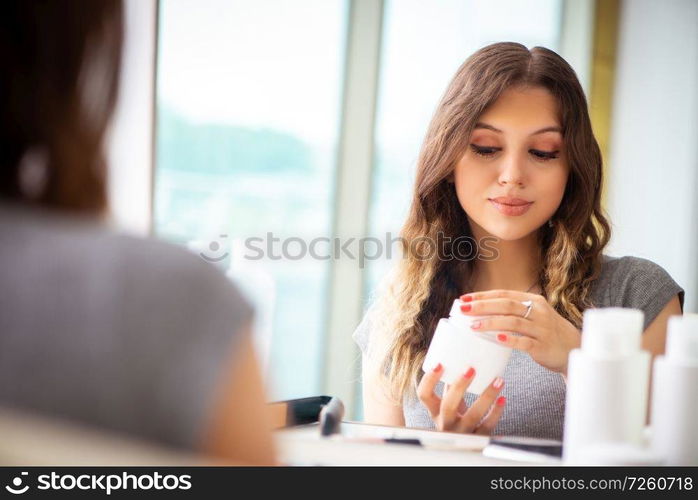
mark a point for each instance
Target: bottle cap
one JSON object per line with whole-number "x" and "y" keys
{"x": 612, "y": 331}
{"x": 682, "y": 338}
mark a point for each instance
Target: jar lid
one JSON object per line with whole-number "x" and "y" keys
{"x": 612, "y": 331}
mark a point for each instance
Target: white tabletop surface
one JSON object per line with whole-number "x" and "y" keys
{"x": 303, "y": 445}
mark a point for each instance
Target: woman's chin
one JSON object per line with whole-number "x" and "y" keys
{"x": 511, "y": 231}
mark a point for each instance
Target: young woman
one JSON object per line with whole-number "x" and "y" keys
{"x": 510, "y": 161}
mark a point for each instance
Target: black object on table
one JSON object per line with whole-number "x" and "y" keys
{"x": 328, "y": 411}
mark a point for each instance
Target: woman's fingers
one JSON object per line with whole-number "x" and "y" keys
{"x": 487, "y": 307}
{"x": 461, "y": 406}
{"x": 450, "y": 412}
{"x": 522, "y": 343}
{"x": 477, "y": 410}
{"x": 490, "y": 421}
{"x": 515, "y": 324}
{"x": 425, "y": 390}
{"x": 499, "y": 294}
{"x": 453, "y": 399}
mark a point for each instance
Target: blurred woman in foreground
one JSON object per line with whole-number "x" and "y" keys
{"x": 130, "y": 335}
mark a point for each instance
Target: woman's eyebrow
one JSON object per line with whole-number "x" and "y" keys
{"x": 552, "y": 128}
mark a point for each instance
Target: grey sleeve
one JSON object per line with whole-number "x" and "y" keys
{"x": 208, "y": 351}
{"x": 126, "y": 334}
{"x": 362, "y": 332}
{"x": 641, "y": 284}
{"x": 195, "y": 319}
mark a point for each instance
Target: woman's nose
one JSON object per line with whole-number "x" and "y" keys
{"x": 512, "y": 170}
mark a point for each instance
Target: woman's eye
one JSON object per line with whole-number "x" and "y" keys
{"x": 483, "y": 151}
{"x": 545, "y": 155}
{"x": 490, "y": 151}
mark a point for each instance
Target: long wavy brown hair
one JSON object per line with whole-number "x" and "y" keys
{"x": 418, "y": 291}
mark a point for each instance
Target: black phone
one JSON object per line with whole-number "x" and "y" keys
{"x": 299, "y": 411}
{"x": 549, "y": 447}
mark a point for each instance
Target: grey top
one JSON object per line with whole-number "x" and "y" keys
{"x": 127, "y": 334}
{"x": 535, "y": 395}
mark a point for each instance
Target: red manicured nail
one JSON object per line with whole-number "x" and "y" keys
{"x": 437, "y": 368}
{"x": 466, "y": 298}
{"x": 501, "y": 400}
{"x": 470, "y": 372}
{"x": 501, "y": 337}
{"x": 466, "y": 307}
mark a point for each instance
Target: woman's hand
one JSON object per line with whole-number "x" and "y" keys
{"x": 544, "y": 334}
{"x": 451, "y": 414}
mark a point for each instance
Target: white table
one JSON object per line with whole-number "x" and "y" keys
{"x": 303, "y": 445}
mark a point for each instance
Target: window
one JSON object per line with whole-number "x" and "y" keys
{"x": 248, "y": 102}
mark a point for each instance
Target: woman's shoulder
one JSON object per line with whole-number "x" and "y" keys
{"x": 102, "y": 265}
{"x": 635, "y": 282}
{"x": 176, "y": 318}
{"x": 362, "y": 332}
{"x": 611, "y": 265}
{"x": 173, "y": 276}
{"x": 629, "y": 269}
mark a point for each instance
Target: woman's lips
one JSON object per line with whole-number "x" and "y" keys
{"x": 511, "y": 209}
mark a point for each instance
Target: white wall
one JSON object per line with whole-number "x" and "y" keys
{"x": 131, "y": 137}
{"x": 653, "y": 164}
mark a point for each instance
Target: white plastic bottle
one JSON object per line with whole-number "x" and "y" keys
{"x": 674, "y": 421}
{"x": 607, "y": 383}
{"x": 457, "y": 347}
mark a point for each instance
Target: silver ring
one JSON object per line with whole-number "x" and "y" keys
{"x": 529, "y": 306}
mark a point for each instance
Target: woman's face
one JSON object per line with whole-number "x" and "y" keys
{"x": 515, "y": 156}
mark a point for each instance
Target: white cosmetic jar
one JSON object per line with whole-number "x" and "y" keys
{"x": 457, "y": 347}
